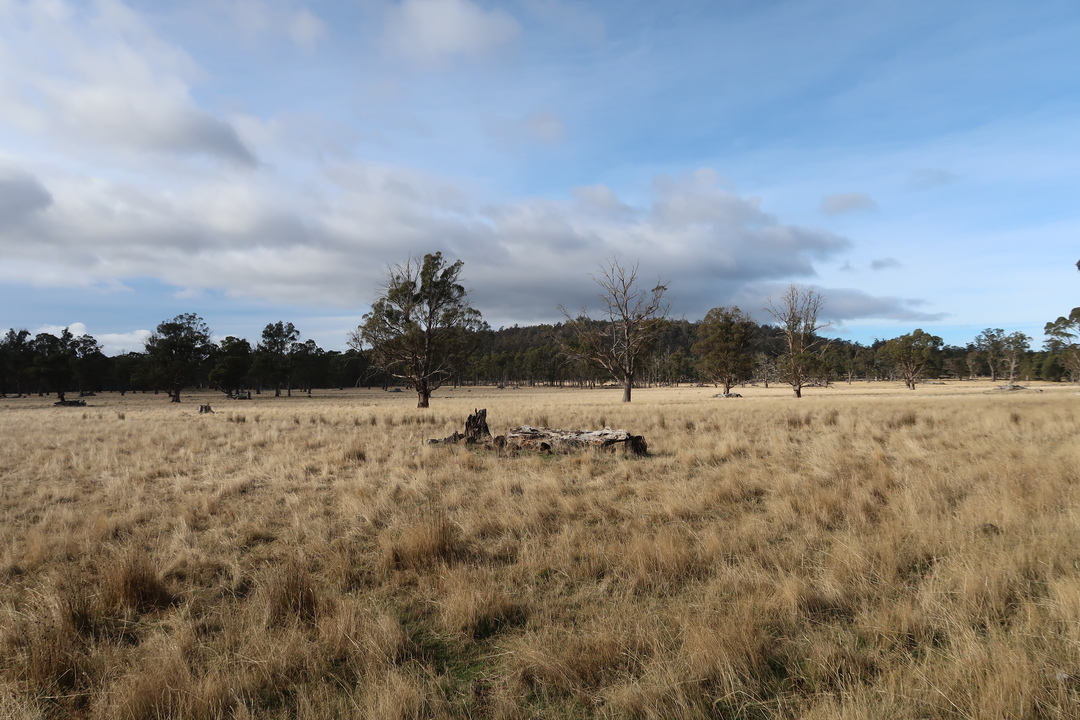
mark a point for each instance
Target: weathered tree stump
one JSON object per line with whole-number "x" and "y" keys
{"x": 203, "y": 409}
{"x": 476, "y": 427}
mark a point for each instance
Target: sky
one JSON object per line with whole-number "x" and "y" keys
{"x": 255, "y": 161}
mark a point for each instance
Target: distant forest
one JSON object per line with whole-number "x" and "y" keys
{"x": 281, "y": 363}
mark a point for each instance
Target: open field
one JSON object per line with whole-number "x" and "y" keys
{"x": 865, "y": 552}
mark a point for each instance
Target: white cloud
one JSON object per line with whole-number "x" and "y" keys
{"x": 117, "y": 343}
{"x": 844, "y": 203}
{"x": 77, "y": 329}
{"x": 21, "y": 196}
{"x": 430, "y": 33}
{"x": 600, "y": 199}
{"x": 265, "y": 240}
{"x": 887, "y": 263}
{"x": 305, "y": 28}
{"x": 111, "y": 343}
{"x": 102, "y": 78}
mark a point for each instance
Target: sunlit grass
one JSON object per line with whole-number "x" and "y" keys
{"x": 864, "y": 552}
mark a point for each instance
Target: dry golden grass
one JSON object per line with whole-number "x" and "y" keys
{"x": 865, "y": 552}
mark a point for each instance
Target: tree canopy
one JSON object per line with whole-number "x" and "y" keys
{"x": 176, "y": 350}
{"x": 421, "y": 329}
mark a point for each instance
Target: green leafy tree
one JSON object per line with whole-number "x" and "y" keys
{"x": 991, "y": 343}
{"x": 910, "y": 355}
{"x": 274, "y": 355}
{"x": 421, "y": 329}
{"x": 723, "y": 347}
{"x": 306, "y": 361}
{"x": 797, "y": 315}
{"x": 91, "y": 365}
{"x": 1013, "y": 349}
{"x": 176, "y": 350}
{"x": 233, "y": 364}
{"x": 16, "y": 357}
{"x": 54, "y": 362}
{"x": 633, "y": 318}
{"x": 1062, "y": 335}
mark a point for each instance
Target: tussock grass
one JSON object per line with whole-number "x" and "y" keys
{"x": 866, "y": 552}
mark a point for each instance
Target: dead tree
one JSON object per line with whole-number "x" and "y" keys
{"x": 633, "y": 318}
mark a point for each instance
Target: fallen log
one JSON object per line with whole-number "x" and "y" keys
{"x": 543, "y": 439}
{"x": 553, "y": 440}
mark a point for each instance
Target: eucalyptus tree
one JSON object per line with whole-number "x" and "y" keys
{"x": 723, "y": 346}
{"x": 797, "y": 314}
{"x": 176, "y": 350}
{"x": 421, "y": 328}
{"x": 911, "y": 354}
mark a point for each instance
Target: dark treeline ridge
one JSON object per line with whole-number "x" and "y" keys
{"x": 281, "y": 363}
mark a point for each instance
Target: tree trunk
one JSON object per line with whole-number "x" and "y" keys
{"x": 798, "y": 390}
{"x": 628, "y": 385}
{"x": 174, "y": 396}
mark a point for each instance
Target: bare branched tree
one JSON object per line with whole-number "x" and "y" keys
{"x": 633, "y": 318}
{"x": 797, "y": 313}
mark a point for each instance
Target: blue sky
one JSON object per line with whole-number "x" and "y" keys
{"x": 263, "y": 160}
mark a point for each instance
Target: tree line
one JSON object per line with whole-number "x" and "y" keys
{"x": 422, "y": 333}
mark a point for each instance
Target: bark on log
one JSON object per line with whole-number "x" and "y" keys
{"x": 543, "y": 439}
{"x": 550, "y": 439}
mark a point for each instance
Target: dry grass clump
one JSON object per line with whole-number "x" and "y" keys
{"x": 862, "y": 553}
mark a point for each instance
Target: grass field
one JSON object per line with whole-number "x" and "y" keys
{"x": 865, "y": 552}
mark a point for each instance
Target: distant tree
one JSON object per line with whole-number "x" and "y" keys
{"x": 233, "y": 364}
{"x": 306, "y": 360}
{"x": 1013, "y": 349}
{"x": 723, "y": 346}
{"x": 54, "y": 362}
{"x": 91, "y": 365}
{"x": 175, "y": 352}
{"x": 633, "y": 318}
{"x": 16, "y": 356}
{"x": 274, "y": 355}
{"x": 1062, "y": 336}
{"x": 765, "y": 367}
{"x": 957, "y": 362}
{"x": 910, "y": 354}
{"x": 421, "y": 329}
{"x": 991, "y": 343}
{"x": 797, "y": 314}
